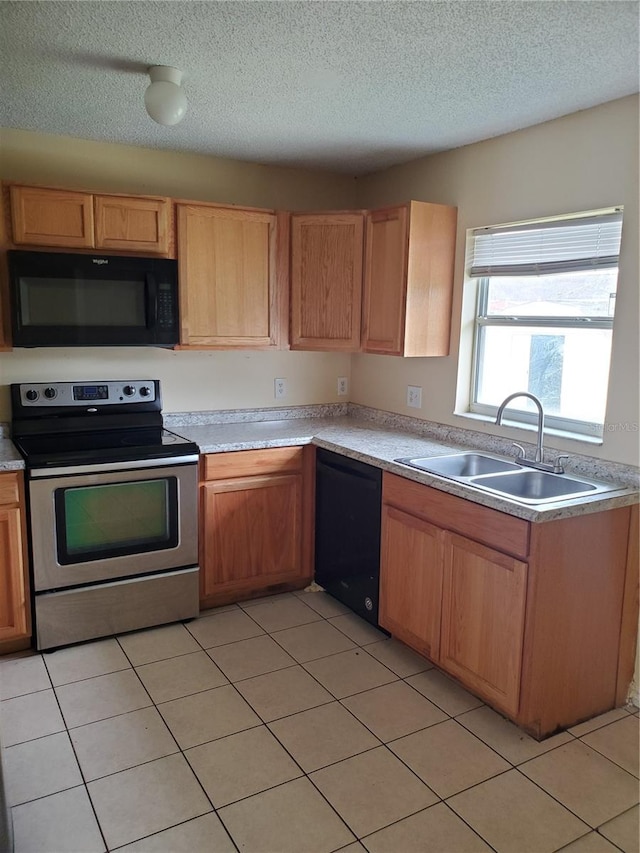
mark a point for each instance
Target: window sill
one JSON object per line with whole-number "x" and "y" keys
{"x": 596, "y": 440}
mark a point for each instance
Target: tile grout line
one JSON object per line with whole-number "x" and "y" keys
{"x": 384, "y": 744}
{"x": 180, "y": 752}
{"x": 381, "y": 743}
{"x": 305, "y": 774}
{"x": 563, "y": 805}
{"x": 335, "y": 699}
{"x": 586, "y": 835}
{"x": 262, "y": 723}
{"x": 511, "y": 767}
{"x": 440, "y": 802}
{"x": 180, "y": 823}
{"x": 75, "y": 755}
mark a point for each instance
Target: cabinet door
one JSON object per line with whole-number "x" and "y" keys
{"x": 228, "y": 277}
{"x": 385, "y": 281}
{"x": 326, "y": 280}
{"x": 132, "y": 224}
{"x": 432, "y": 244}
{"x": 252, "y": 533}
{"x": 42, "y": 217}
{"x": 411, "y": 580}
{"x": 5, "y": 331}
{"x": 408, "y": 291}
{"x": 483, "y": 612}
{"x": 14, "y": 599}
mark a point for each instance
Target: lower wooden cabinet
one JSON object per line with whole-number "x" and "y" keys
{"x": 483, "y": 605}
{"x": 411, "y": 580}
{"x": 533, "y": 618}
{"x": 256, "y": 523}
{"x": 15, "y": 606}
{"x": 455, "y": 601}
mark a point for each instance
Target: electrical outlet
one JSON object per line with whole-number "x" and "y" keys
{"x": 343, "y": 386}
{"x": 414, "y": 396}
{"x": 279, "y": 388}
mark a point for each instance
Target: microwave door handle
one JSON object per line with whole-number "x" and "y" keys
{"x": 152, "y": 300}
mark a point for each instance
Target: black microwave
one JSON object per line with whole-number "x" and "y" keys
{"x": 74, "y": 300}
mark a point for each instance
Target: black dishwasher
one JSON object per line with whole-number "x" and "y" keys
{"x": 348, "y": 502}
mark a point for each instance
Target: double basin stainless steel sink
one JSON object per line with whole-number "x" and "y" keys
{"x": 508, "y": 479}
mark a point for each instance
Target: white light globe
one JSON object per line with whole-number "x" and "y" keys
{"x": 165, "y": 99}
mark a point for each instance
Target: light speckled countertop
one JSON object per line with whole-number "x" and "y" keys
{"x": 379, "y": 439}
{"x": 10, "y": 459}
{"x": 380, "y": 445}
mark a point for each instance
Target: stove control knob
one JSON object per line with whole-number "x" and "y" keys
{"x": 50, "y": 393}
{"x": 129, "y": 390}
{"x": 31, "y": 395}
{"x": 145, "y": 391}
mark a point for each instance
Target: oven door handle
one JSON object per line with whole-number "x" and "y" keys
{"x": 99, "y": 468}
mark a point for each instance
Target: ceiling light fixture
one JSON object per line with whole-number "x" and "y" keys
{"x": 165, "y": 99}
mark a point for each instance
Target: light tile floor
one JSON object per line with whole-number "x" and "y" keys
{"x": 289, "y": 725}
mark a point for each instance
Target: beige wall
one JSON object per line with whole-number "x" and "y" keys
{"x": 80, "y": 163}
{"x": 580, "y": 162}
{"x": 584, "y": 161}
{"x": 191, "y": 381}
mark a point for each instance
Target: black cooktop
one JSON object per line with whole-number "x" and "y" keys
{"x": 81, "y": 423}
{"x": 114, "y": 445}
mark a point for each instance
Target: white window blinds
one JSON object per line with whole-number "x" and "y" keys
{"x": 541, "y": 248}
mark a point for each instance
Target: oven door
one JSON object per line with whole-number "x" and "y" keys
{"x": 89, "y": 528}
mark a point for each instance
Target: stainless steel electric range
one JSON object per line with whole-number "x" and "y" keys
{"x": 112, "y": 517}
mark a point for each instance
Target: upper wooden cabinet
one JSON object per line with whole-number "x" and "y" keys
{"x": 378, "y": 281}
{"x": 132, "y": 224}
{"x": 232, "y": 269}
{"x": 64, "y": 219}
{"x": 42, "y": 217}
{"x": 407, "y": 273}
{"x": 326, "y": 280}
{"x": 5, "y": 331}
{"x": 408, "y": 286}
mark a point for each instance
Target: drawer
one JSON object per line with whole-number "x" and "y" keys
{"x": 245, "y": 463}
{"x": 489, "y": 526}
{"x": 10, "y": 488}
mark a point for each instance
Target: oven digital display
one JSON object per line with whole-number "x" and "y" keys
{"x": 90, "y": 392}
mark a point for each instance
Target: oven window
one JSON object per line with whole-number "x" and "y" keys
{"x": 101, "y": 521}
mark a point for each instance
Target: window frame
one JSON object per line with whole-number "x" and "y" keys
{"x": 483, "y": 320}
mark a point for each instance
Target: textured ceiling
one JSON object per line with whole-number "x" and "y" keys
{"x": 347, "y": 86}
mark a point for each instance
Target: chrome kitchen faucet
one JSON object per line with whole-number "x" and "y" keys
{"x": 538, "y": 462}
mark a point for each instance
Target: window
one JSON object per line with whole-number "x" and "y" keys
{"x": 544, "y": 320}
